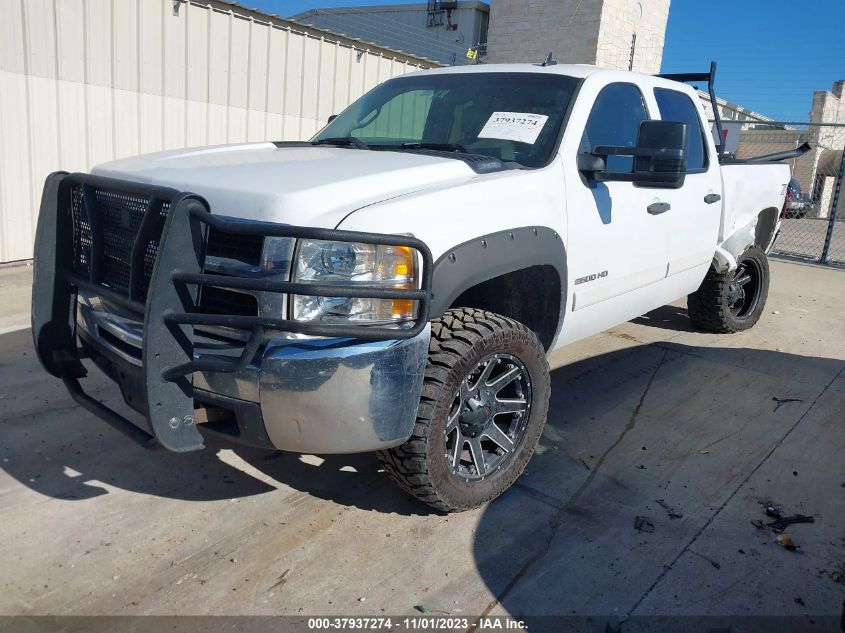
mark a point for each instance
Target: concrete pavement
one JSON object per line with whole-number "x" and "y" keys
{"x": 16, "y": 292}
{"x": 684, "y": 434}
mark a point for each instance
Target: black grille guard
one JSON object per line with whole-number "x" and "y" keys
{"x": 171, "y": 311}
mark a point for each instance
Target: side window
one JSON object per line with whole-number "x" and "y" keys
{"x": 615, "y": 120}
{"x": 676, "y": 106}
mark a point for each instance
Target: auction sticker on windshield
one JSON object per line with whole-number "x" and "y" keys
{"x": 523, "y": 127}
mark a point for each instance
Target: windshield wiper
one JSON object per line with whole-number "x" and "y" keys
{"x": 342, "y": 140}
{"x": 445, "y": 147}
{"x": 479, "y": 163}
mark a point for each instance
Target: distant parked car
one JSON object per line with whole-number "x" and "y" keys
{"x": 798, "y": 203}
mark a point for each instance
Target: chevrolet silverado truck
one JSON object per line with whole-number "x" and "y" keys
{"x": 396, "y": 283}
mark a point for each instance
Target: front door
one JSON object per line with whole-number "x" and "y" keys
{"x": 618, "y": 237}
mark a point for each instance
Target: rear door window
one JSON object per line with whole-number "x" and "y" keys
{"x": 677, "y": 107}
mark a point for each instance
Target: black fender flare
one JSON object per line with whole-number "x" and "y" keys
{"x": 488, "y": 256}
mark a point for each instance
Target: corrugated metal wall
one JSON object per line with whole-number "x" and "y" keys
{"x": 87, "y": 81}
{"x": 404, "y": 27}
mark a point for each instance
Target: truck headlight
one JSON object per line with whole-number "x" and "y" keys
{"x": 351, "y": 264}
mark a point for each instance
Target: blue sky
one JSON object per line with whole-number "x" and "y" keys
{"x": 772, "y": 54}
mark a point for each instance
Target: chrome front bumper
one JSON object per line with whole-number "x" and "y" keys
{"x": 316, "y": 395}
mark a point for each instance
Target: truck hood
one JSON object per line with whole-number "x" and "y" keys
{"x": 313, "y": 186}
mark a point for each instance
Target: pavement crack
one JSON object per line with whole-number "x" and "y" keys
{"x": 687, "y": 548}
{"x": 558, "y": 516}
{"x": 632, "y": 422}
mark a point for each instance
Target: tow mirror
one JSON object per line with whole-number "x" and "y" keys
{"x": 659, "y": 157}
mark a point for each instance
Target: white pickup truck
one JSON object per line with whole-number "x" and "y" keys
{"x": 396, "y": 283}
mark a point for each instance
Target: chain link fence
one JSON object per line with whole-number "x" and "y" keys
{"x": 813, "y": 219}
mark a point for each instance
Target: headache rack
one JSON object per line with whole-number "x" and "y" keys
{"x": 710, "y": 79}
{"x": 143, "y": 248}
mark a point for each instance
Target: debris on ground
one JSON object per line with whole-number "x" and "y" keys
{"x": 781, "y": 524}
{"x": 773, "y": 511}
{"x": 712, "y": 562}
{"x": 424, "y": 609}
{"x": 782, "y": 401}
{"x": 643, "y": 524}
{"x": 785, "y": 540}
{"x": 800, "y": 600}
{"x": 281, "y": 581}
{"x": 673, "y": 514}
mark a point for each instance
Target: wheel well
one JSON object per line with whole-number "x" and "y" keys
{"x": 530, "y": 295}
{"x": 767, "y": 220}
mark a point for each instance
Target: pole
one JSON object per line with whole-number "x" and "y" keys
{"x": 833, "y": 207}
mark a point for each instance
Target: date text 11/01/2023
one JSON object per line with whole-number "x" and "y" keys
{"x": 419, "y": 623}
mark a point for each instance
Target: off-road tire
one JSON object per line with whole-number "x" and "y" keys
{"x": 459, "y": 340}
{"x": 709, "y": 307}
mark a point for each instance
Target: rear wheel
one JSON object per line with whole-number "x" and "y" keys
{"x": 732, "y": 301}
{"x": 483, "y": 408}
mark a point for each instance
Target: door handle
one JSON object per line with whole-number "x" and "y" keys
{"x": 656, "y": 208}
{"x": 710, "y": 198}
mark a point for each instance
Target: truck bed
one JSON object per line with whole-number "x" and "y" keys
{"x": 753, "y": 195}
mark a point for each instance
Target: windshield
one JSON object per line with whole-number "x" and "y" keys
{"x": 514, "y": 117}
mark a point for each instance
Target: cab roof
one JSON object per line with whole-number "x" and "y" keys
{"x": 579, "y": 71}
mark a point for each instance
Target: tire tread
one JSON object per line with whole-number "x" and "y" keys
{"x": 452, "y": 337}
{"x": 707, "y": 307}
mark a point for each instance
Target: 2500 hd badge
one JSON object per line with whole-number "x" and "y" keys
{"x": 593, "y": 277}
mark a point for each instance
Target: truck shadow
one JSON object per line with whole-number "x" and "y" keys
{"x": 667, "y": 318}
{"x": 641, "y": 448}
{"x": 58, "y": 450}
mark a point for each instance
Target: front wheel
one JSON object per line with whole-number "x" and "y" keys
{"x": 732, "y": 301}
{"x": 483, "y": 407}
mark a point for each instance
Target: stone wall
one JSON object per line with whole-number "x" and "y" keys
{"x": 579, "y": 31}
{"x": 620, "y": 21}
{"x": 526, "y": 30}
